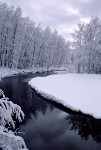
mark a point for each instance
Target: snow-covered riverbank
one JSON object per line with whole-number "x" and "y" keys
{"x": 6, "y": 72}
{"x": 76, "y": 91}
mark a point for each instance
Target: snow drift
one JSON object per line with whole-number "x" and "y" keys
{"x": 76, "y": 91}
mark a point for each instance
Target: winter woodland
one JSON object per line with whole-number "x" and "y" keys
{"x": 25, "y": 45}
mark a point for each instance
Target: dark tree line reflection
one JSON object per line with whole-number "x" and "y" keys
{"x": 85, "y": 126}
{"x": 31, "y": 103}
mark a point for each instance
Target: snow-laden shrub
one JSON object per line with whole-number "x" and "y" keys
{"x": 8, "y": 141}
{"x": 9, "y": 111}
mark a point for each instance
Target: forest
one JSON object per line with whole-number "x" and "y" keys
{"x": 27, "y": 46}
{"x": 23, "y": 44}
{"x": 86, "y": 56}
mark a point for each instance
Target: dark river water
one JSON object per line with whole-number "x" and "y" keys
{"x": 48, "y": 126}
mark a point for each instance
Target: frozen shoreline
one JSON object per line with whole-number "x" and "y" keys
{"x": 7, "y": 72}
{"x": 79, "y": 92}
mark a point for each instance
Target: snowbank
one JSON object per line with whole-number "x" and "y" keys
{"x": 76, "y": 91}
{"x": 6, "y": 72}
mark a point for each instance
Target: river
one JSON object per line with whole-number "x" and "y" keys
{"x": 48, "y": 126}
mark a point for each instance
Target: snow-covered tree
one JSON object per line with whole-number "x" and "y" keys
{"x": 87, "y": 47}
{"x": 25, "y": 45}
{"x": 9, "y": 113}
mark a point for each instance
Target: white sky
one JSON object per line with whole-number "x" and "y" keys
{"x": 62, "y": 15}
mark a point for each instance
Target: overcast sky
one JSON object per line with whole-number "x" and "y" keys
{"x": 62, "y": 15}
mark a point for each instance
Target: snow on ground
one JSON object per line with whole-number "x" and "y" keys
{"x": 76, "y": 91}
{"x": 5, "y": 72}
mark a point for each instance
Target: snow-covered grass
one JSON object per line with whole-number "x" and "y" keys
{"x": 76, "y": 91}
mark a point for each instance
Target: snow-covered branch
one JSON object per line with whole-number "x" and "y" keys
{"x": 9, "y": 110}
{"x": 8, "y": 113}
{"x": 8, "y": 141}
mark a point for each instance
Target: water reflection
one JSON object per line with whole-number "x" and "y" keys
{"x": 18, "y": 90}
{"x": 48, "y": 125}
{"x": 85, "y": 127}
